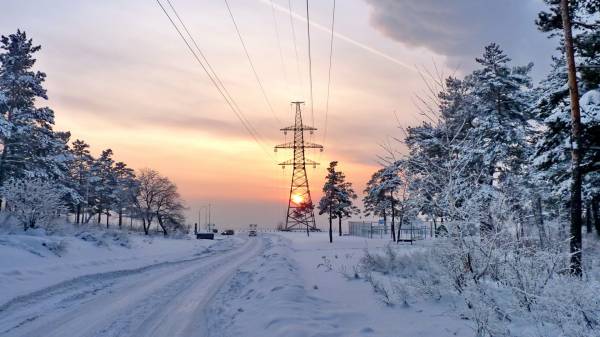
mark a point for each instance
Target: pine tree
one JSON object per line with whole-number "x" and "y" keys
{"x": 553, "y": 146}
{"x": 388, "y": 184}
{"x": 80, "y": 175}
{"x": 375, "y": 202}
{"x": 337, "y": 198}
{"x": 30, "y": 146}
{"x": 502, "y": 96}
{"x": 104, "y": 184}
{"x": 125, "y": 189}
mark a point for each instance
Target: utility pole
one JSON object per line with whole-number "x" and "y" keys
{"x": 209, "y": 223}
{"x": 300, "y": 214}
{"x": 199, "y": 215}
{"x": 576, "y": 222}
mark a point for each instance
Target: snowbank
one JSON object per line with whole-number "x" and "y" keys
{"x": 32, "y": 260}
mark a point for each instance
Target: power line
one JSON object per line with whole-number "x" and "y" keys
{"x": 312, "y": 110}
{"x": 279, "y": 45}
{"x": 251, "y": 63}
{"x": 295, "y": 43}
{"x": 329, "y": 74}
{"x": 213, "y": 72}
{"x": 230, "y": 102}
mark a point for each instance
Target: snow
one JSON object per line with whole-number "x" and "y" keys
{"x": 590, "y": 107}
{"x": 31, "y": 262}
{"x": 284, "y": 284}
{"x": 304, "y": 286}
{"x": 106, "y": 283}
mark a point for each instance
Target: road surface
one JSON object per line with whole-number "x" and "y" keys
{"x": 166, "y": 299}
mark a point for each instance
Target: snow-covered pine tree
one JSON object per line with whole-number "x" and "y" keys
{"x": 375, "y": 202}
{"x": 425, "y": 165}
{"x": 553, "y": 108}
{"x": 125, "y": 189}
{"x": 30, "y": 147}
{"x": 388, "y": 184}
{"x": 103, "y": 184}
{"x": 337, "y": 198}
{"x": 80, "y": 175}
{"x": 502, "y": 96}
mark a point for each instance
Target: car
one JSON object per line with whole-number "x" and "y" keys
{"x": 228, "y": 232}
{"x": 252, "y": 233}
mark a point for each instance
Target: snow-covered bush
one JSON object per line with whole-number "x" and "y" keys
{"x": 504, "y": 287}
{"x": 104, "y": 238}
{"x": 33, "y": 202}
{"x": 56, "y": 247}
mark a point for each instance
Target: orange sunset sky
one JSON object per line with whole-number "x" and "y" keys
{"x": 120, "y": 77}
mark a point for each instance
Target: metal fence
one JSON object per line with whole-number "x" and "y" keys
{"x": 368, "y": 229}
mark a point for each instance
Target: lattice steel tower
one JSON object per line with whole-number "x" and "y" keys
{"x": 300, "y": 213}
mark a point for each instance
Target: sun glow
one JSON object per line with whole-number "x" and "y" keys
{"x": 297, "y": 199}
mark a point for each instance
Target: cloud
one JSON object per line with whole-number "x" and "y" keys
{"x": 459, "y": 29}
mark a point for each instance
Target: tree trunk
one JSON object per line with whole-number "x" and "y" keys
{"x": 340, "y": 224}
{"x": 539, "y": 221}
{"x": 146, "y": 228}
{"x": 434, "y": 232}
{"x": 393, "y": 228}
{"x": 99, "y": 215}
{"x": 400, "y": 223}
{"x": 78, "y": 213}
{"x": 107, "y": 217}
{"x": 588, "y": 217}
{"x": 384, "y": 222}
{"x": 3, "y": 164}
{"x": 596, "y": 214}
{"x": 162, "y": 226}
{"x": 576, "y": 240}
{"x": 330, "y": 229}
{"x": 120, "y": 218}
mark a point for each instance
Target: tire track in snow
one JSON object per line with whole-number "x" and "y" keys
{"x": 129, "y": 303}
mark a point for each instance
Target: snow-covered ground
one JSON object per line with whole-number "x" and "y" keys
{"x": 304, "y": 286}
{"x": 33, "y": 262}
{"x": 281, "y": 284}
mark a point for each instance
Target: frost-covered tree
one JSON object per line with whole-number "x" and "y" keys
{"x": 426, "y": 165}
{"x": 125, "y": 189}
{"x": 577, "y": 23}
{"x": 80, "y": 177}
{"x": 30, "y": 147}
{"x": 375, "y": 203}
{"x": 337, "y": 198}
{"x": 34, "y": 202}
{"x": 158, "y": 199}
{"x": 104, "y": 184}
{"x": 387, "y": 184}
{"x": 553, "y": 109}
{"x": 501, "y": 96}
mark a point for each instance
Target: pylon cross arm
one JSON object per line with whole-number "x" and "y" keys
{"x": 302, "y": 128}
{"x": 285, "y": 146}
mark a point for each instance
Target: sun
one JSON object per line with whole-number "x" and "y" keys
{"x": 297, "y": 199}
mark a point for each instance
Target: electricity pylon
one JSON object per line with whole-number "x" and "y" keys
{"x": 300, "y": 213}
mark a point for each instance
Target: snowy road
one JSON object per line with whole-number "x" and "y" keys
{"x": 167, "y": 299}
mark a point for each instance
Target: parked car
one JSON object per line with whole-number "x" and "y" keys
{"x": 252, "y": 233}
{"x": 228, "y": 232}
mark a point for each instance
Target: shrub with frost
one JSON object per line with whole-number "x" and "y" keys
{"x": 33, "y": 202}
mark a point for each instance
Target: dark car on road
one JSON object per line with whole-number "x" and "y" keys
{"x": 228, "y": 232}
